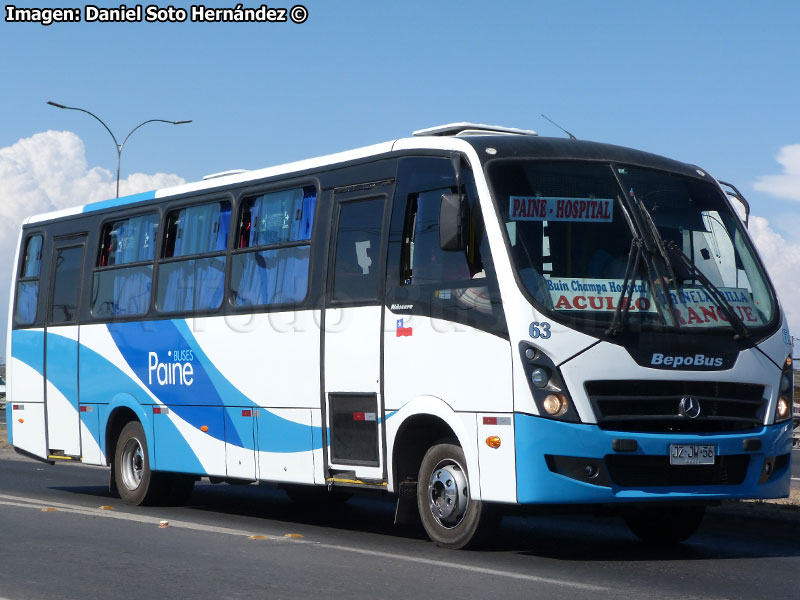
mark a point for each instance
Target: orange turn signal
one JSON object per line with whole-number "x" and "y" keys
{"x": 21, "y": 420}
{"x": 204, "y": 428}
{"x": 493, "y": 441}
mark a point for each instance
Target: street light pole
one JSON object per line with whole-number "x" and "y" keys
{"x": 117, "y": 145}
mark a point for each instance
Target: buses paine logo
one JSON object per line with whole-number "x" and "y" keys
{"x": 403, "y": 331}
{"x": 177, "y": 370}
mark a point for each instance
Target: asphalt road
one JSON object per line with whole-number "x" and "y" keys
{"x": 56, "y": 542}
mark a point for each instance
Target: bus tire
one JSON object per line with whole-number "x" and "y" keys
{"x": 136, "y": 483}
{"x": 662, "y": 526}
{"x": 451, "y": 518}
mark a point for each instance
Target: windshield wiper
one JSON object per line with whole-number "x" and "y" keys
{"x": 620, "y": 313}
{"x": 656, "y": 237}
{"x": 719, "y": 298}
{"x": 656, "y": 277}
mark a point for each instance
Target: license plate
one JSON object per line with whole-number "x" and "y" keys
{"x": 691, "y": 454}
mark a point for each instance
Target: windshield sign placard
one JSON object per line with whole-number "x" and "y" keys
{"x": 695, "y": 306}
{"x": 583, "y": 210}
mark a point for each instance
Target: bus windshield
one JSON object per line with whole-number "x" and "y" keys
{"x": 574, "y": 230}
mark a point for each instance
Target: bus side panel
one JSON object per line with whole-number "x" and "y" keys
{"x": 190, "y": 439}
{"x": 29, "y": 428}
{"x": 62, "y": 390}
{"x": 26, "y": 389}
{"x": 286, "y": 444}
{"x": 240, "y": 442}
{"x": 107, "y": 383}
{"x": 318, "y": 452}
{"x": 90, "y": 434}
{"x": 268, "y": 359}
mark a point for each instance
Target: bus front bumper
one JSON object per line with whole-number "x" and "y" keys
{"x": 561, "y": 463}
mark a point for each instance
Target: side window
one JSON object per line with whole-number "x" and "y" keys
{"x": 124, "y": 271}
{"x": 452, "y": 285}
{"x": 66, "y": 285}
{"x": 28, "y": 282}
{"x": 423, "y": 259}
{"x": 196, "y": 283}
{"x": 272, "y": 250}
{"x": 358, "y": 248}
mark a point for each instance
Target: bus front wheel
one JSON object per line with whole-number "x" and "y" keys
{"x": 449, "y": 514}
{"x": 664, "y": 525}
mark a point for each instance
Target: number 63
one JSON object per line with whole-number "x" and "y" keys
{"x": 540, "y": 330}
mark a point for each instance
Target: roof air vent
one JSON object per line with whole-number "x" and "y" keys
{"x": 465, "y": 129}
{"x": 224, "y": 174}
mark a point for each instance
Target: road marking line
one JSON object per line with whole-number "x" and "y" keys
{"x": 95, "y": 512}
{"x": 795, "y": 478}
{"x": 21, "y": 501}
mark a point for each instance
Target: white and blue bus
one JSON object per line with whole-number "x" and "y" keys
{"x": 473, "y": 318}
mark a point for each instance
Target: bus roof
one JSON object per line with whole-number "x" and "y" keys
{"x": 504, "y": 144}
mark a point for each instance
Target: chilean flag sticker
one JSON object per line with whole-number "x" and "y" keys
{"x": 403, "y": 331}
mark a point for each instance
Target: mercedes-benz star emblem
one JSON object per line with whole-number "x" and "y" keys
{"x": 690, "y": 407}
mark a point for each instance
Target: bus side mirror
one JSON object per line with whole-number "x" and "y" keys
{"x": 453, "y": 222}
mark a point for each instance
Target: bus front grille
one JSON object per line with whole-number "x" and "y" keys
{"x": 652, "y": 471}
{"x": 655, "y": 406}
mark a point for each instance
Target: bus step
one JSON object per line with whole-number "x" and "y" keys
{"x": 349, "y": 479}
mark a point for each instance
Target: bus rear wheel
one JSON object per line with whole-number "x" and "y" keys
{"x": 136, "y": 483}
{"x": 664, "y": 525}
{"x": 449, "y": 514}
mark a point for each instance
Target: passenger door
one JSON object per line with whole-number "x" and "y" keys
{"x": 61, "y": 347}
{"x": 353, "y": 402}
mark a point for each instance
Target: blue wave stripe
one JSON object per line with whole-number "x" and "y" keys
{"x": 62, "y": 361}
{"x": 114, "y": 202}
{"x": 209, "y": 386}
{"x": 101, "y": 379}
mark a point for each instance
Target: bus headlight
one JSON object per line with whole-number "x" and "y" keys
{"x": 783, "y": 410}
{"x": 555, "y": 405}
{"x": 540, "y": 377}
{"x": 547, "y": 386}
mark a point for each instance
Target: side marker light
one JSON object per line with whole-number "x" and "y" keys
{"x": 493, "y": 441}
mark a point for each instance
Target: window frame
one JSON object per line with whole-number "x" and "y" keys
{"x": 162, "y": 260}
{"x": 20, "y": 279}
{"x": 234, "y": 251}
{"x": 96, "y": 268}
{"x": 60, "y": 243}
{"x": 385, "y": 192}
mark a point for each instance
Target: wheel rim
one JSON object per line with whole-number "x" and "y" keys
{"x": 448, "y": 493}
{"x": 132, "y": 464}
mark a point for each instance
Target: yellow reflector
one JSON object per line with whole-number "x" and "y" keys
{"x": 493, "y": 441}
{"x": 257, "y": 537}
{"x": 49, "y": 510}
{"x": 293, "y": 535}
{"x": 106, "y": 508}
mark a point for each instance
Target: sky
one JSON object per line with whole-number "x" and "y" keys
{"x": 712, "y": 83}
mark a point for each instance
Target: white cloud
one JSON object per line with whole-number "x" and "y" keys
{"x": 782, "y": 259}
{"x": 48, "y": 171}
{"x": 786, "y": 184}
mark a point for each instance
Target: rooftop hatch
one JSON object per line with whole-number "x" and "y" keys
{"x": 464, "y": 129}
